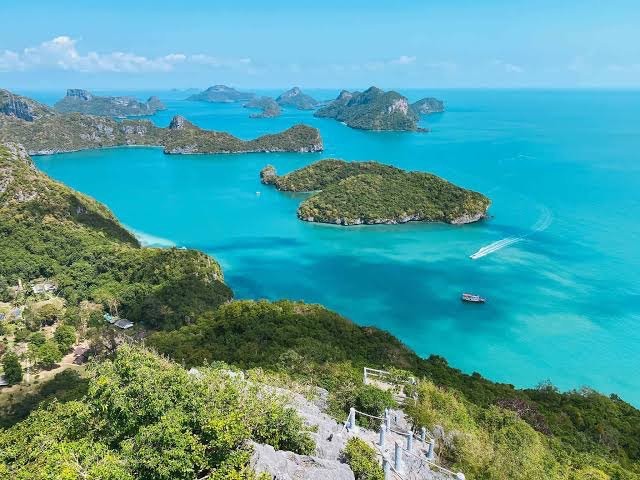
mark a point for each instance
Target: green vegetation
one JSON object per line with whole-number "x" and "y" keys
{"x": 189, "y": 426}
{"x": 361, "y": 457}
{"x": 268, "y": 106}
{"x": 146, "y": 418}
{"x": 11, "y": 368}
{"x": 82, "y": 101}
{"x": 372, "y": 109}
{"x": 313, "y": 344}
{"x": 221, "y": 94}
{"x": 354, "y": 193}
{"x": 42, "y": 130}
{"x": 427, "y": 106}
{"x": 48, "y": 230}
{"x": 295, "y": 98}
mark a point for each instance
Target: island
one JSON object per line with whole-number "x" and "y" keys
{"x": 42, "y": 130}
{"x": 82, "y": 101}
{"x": 427, "y": 106}
{"x": 268, "y": 106}
{"x": 357, "y": 193}
{"x": 295, "y": 98}
{"x": 375, "y": 109}
{"x": 221, "y": 94}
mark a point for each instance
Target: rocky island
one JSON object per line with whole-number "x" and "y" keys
{"x": 268, "y": 106}
{"x": 221, "y": 94}
{"x": 43, "y": 130}
{"x": 375, "y": 109}
{"x": 356, "y": 193}
{"x": 295, "y": 98}
{"x": 83, "y": 101}
{"x": 427, "y": 106}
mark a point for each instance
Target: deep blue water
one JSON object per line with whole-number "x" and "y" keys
{"x": 561, "y": 167}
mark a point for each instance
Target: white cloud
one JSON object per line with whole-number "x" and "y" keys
{"x": 403, "y": 60}
{"x": 508, "y": 67}
{"x": 61, "y": 53}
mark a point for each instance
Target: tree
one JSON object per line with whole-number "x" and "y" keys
{"x": 65, "y": 337}
{"x": 37, "y": 339}
{"x": 49, "y": 354}
{"x": 5, "y": 296}
{"x": 12, "y": 368}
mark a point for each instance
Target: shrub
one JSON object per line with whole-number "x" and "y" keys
{"x": 362, "y": 460}
{"x": 65, "y": 337}
{"x": 12, "y": 368}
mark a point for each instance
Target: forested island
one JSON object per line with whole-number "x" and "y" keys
{"x": 223, "y": 420}
{"x": 42, "y": 130}
{"x": 357, "y": 193}
{"x": 82, "y": 101}
{"x": 375, "y": 109}
{"x": 221, "y": 94}
{"x": 268, "y": 106}
{"x": 295, "y": 98}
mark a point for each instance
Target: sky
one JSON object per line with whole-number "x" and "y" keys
{"x": 321, "y": 44}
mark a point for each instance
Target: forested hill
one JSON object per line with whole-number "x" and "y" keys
{"x": 49, "y": 230}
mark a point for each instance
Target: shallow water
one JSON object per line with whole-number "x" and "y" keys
{"x": 560, "y": 260}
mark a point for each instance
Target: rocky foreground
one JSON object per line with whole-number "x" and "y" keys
{"x": 370, "y": 193}
{"x": 42, "y": 130}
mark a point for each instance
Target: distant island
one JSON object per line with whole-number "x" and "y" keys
{"x": 42, "y": 130}
{"x": 356, "y": 193}
{"x": 375, "y": 109}
{"x": 295, "y": 98}
{"x": 221, "y": 94}
{"x": 82, "y": 101}
{"x": 427, "y": 106}
{"x": 268, "y": 106}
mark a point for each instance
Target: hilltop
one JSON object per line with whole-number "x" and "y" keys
{"x": 375, "y": 109}
{"x": 43, "y": 131}
{"x": 355, "y": 193}
{"x": 82, "y": 101}
{"x": 295, "y": 98}
{"x": 221, "y": 94}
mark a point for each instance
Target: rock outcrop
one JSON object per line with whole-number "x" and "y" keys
{"x": 427, "y": 106}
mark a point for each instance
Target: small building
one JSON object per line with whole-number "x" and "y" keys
{"x": 110, "y": 318}
{"x": 2, "y": 316}
{"x": 3, "y": 381}
{"x": 43, "y": 287}
{"x": 123, "y": 323}
{"x": 16, "y": 313}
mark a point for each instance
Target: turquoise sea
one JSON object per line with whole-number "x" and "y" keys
{"x": 561, "y": 274}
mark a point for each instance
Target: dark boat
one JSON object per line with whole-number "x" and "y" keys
{"x": 469, "y": 297}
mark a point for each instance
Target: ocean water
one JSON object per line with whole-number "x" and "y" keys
{"x": 560, "y": 265}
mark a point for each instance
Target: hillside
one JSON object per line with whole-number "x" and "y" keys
{"x": 268, "y": 106}
{"x": 198, "y": 424}
{"x": 355, "y": 193}
{"x": 427, "y": 106}
{"x": 295, "y": 98}
{"x": 43, "y": 131}
{"x": 82, "y": 101}
{"x": 49, "y": 230}
{"x": 373, "y": 109}
{"x": 221, "y": 94}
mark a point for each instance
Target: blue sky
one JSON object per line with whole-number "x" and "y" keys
{"x": 327, "y": 43}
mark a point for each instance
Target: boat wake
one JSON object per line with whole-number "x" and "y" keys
{"x": 543, "y": 222}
